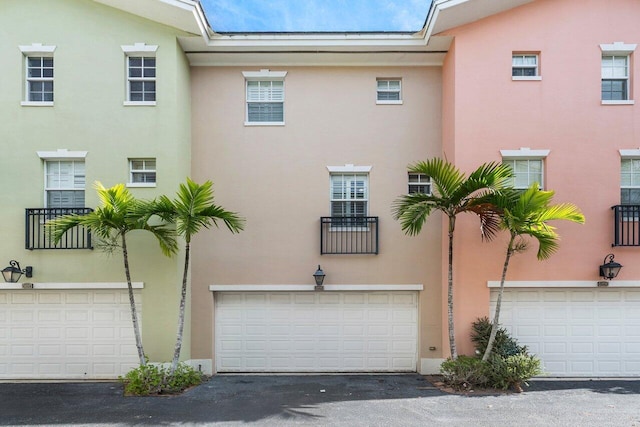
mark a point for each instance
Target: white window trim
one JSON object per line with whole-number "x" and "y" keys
{"x": 349, "y": 168}
{"x": 62, "y": 154}
{"x": 524, "y": 153}
{"x": 536, "y": 78}
{"x": 389, "y": 102}
{"x": 633, "y": 153}
{"x": 264, "y": 74}
{"x": 620, "y": 49}
{"x": 132, "y": 184}
{"x": 137, "y": 49}
{"x": 35, "y": 49}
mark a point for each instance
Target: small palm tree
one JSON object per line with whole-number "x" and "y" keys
{"x": 452, "y": 193}
{"x": 192, "y": 210}
{"x": 527, "y": 215}
{"x": 110, "y": 223}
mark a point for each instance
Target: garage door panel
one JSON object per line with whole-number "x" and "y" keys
{"x": 317, "y": 332}
{"x": 78, "y": 334}
{"x": 587, "y": 332}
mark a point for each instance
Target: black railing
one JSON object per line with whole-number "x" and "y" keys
{"x": 626, "y": 225}
{"x": 349, "y": 235}
{"x": 39, "y": 236}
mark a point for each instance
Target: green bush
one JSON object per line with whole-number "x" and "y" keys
{"x": 465, "y": 372}
{"x": 509, "y": 366}
{"x": 504, "y": 345}
{"x": 152, "y": 379}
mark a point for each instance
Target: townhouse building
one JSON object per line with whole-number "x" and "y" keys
{"x": 308, "y": 136}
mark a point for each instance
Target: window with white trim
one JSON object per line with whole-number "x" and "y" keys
{"x": 630, "y": 181}
{"x": 264, "y": 97}
{"x": 39, "y": 73}
{"x": 142, "y": 173}
{"x": 615, "y": 70}
{"x": 389, "y": 91}
{"x": 141, "y": 72}
{"x": 349, "y": 194}
{"x": 64, "y": 183}
{"x": 524, "y": 66}
{"x": 526, "y": 172}
{"x": 419, "y": 183}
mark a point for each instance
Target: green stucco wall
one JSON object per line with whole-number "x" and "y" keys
{"x": 89, "y": 115}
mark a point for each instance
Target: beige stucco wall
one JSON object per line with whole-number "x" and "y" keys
{"x": 561, "y": 113}
{"x": 277, "y": 178}
{"x": 88, "y": 115}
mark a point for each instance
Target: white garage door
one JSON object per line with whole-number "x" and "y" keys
{"x": 577, "y": 332}
{"x": 66, "y": 334}
{"x": 316, "y": 331}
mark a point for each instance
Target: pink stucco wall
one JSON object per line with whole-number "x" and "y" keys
{"x": 489, "y": 112}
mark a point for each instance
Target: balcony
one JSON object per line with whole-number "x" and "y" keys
{"x": 38, "y": 236}
{"x": 349, "y": 235}
{"x": 626, "y": 225}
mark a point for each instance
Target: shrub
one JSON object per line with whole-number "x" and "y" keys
{"x": 153, "y": 379}
{"x": 504, "y": 345}
{"x": 465, "y": 372}
{"x": 509, "y": 366}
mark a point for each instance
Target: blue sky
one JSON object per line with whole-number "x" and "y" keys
{"x": 315, "y": 15}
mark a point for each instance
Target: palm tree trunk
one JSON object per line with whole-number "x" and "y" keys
{"x": 132, "y": 302}
{"x": 183, "y": 299}
{"x": 452, "y": 337}
{"x": 496, "y": 316}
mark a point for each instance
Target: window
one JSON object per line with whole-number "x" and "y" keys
{"x": 526, "y": 171}
{"x": 524, "y": 66}
{"x": 389, "y": 91}
{"x": 349, "y": 194}
{"x": 142, "y": 173}
{"x": 264, "y": 97}
{"x": 38, "y": 71}
{"x": 630, "y": 181}
{"x": 419, "y": 183}
{"x": 64, "y": 183}
{"x": 141, "y": 74}
{"x": 141, "y": 78}
{"x": 615, "y": 72}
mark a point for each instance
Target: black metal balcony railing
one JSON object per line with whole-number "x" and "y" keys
{"x": 39, "y": 236}
{"x": 626, "y": 225}
{"x": 349, "y": 235}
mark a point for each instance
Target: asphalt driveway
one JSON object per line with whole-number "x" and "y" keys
{"x": 336, "y": 400}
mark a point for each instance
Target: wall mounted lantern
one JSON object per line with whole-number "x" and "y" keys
{"x": 13, "y": 272}
{"x": 319, "y": 277}
{"x": 609, "y": 268}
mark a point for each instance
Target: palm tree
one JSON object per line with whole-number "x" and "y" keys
{"x": 110, "y": 223}
{"x": 452, "y": 193}
{"x": 192, "y": 209}
{"x": 527, "y": 215}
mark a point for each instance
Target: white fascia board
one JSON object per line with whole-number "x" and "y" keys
{"x": 349, "y": 168}
{"x": 524, "y": 152}
{"x": 630, "y": 153}
{"x": 84, "y": 285}
{"x": 563, "y": 284}
{"x": 62, "y": 153}
{"x": 311, "y": 288}
{"x": 315, "y": 41}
